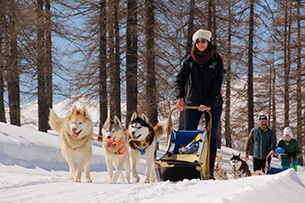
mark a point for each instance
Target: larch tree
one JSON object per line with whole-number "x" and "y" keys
{"x": 114, "y": 60}
{"x": 2, "y": 33}
{"x": 250, "y": 67}
{"x": 12, "y": 74}
{"x": 131, "y": 59}
{"x": 150, "y": 88}
{"x": 41, "y": 67}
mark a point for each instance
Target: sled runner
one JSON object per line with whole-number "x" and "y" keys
{"x": 187, "y": 154}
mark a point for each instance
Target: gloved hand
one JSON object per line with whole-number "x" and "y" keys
{"x": 279, "y": 150}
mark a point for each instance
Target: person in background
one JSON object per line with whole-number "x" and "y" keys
{"x": 292, "y": 150}
{"x": 203, "y": 71}
{"x": 261, "y": 141}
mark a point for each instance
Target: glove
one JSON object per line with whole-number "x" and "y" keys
{"x": 279, "y": 150}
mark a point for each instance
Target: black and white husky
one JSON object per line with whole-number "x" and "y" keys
{"x": 143, "y": 140}
{"x": 115, "y": 144}
{"x": 239, "y": 167}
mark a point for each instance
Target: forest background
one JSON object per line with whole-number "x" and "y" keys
{"x": 129, "y": 51}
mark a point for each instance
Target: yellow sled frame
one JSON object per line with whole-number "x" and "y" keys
{"x": 205, "y": 160}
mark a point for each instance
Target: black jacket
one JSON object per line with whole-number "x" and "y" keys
{"x": 204, "y": 82}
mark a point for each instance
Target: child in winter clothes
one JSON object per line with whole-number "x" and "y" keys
{"x": 292, "y": 150}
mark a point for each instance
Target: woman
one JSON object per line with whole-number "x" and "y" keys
{"x": 203, "y": 70}
{"x": 292, "y": 150}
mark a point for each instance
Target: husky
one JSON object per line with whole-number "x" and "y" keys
{"x": 143, "y": 141}
{"x": 116, "y": 149}
{"x": 76, "y": 134}
{"x": 257, "y": 173}
{"x": 239, "y": 167}
{"x": 219, "y": 172}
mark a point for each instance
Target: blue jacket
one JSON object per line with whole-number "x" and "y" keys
{"x": 260, "y": 142}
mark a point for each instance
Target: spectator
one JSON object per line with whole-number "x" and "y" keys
{"x": 292, "y": 150}
{"x": 261, "y": 141}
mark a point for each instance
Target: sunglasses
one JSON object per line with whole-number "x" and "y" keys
{"x": 203, "y": 41}
{"x": 263, "y": 124}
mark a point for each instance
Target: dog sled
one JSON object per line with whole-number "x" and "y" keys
{"x": 187, "y": 154}
{"x": 272, "y": 170}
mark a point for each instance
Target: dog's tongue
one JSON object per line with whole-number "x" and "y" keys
{"x": 74, "y": 135}
{"x": 109, "y": 144}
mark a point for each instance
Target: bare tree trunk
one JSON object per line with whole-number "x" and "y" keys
{"x": 41, "y": 72}
{"x": 13, "y": 70}
{"x": 228, "y": 84}
{"x": 114, "y": 89}
{"x": 2, "y": 33}
{"x": 131, "y": 59}
{"x": 299, "y": 82}
{"x": 102, "y": 64}
{"x": 250, "y": 68}
{"x": 286, "y": 66}
{"x": 48, "y": 61}
{"x": 117, "y": 91}
{"x": 151, "y": 91}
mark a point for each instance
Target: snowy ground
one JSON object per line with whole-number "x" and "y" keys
{"x": 33, "y": 170}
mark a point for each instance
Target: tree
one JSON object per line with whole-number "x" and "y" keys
{"x": 250, "y": 67}
{"x": 151, "y": 90}
{"x": 12, "y": 75}
{"x": 2, "y": 33}
{"x": 228, "y": 79}
{"x": 102, "y": 63}
{"x": 131, "y": 59}
{"x": 48, "y": 60}
{"x": 41, "y": 70}
{"x": 299, "y": 78}
{"x": 114, "y": 49}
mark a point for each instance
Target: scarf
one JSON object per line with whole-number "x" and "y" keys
{"x": 201, "y": 57}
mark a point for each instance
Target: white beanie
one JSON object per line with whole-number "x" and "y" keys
{"x": 201, "y": 33}
{"x": 288, "y": 131}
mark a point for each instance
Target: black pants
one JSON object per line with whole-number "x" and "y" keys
{"x": 259, "y": 164}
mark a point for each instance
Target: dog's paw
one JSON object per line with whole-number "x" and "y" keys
{"x": 146, "y": 181}
{"x": 136, "y": 180}
{"x": 88, "y": 180}
{"x": 76, "y": 180}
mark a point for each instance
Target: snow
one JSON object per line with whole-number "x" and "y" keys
{"x": 32, "y": 169}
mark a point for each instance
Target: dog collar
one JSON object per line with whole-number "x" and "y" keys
{"x": 142, "y": 150}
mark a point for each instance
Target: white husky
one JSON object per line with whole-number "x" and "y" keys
{"x": 115, "y": 143}
{"x": 76, "y": 132}
{"x": 143, "y": 140}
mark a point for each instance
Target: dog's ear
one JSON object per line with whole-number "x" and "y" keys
{"x": 239, "y": 154}
{"x": 108, "y": 119}
{"x": 117, "y": 121}
{"x": 134, "y": 116}
{"x": 85, "y": 113}
{"x": 145, "y": 118}
{"x": 74, "y": 108}
{"x": 220, "y": 155}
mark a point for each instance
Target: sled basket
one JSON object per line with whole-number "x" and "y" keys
{"x": 185, "y": 157}
{"x": 269, "y": 170}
